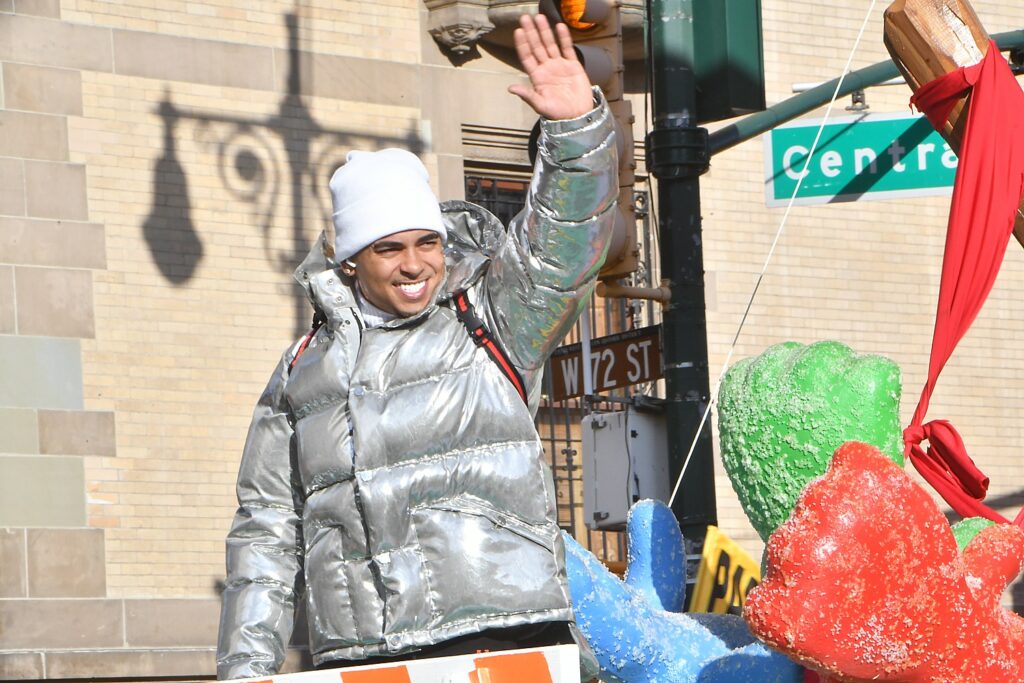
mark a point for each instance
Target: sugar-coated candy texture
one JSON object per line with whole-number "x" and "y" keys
{"x": 636, "y": 641}
{"x": 865, "y": 582}
{"x": 782, "y": 414}
{"x": 966, "y": 529}
{"x": 656, "y": 557}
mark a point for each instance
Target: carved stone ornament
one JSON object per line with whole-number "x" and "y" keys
{"x": 460, "y": 38}
{"x": 457, "y": 25}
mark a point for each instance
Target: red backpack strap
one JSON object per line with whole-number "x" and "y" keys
{"x": 482, "y": 337}
{"x": 318, "y": 321}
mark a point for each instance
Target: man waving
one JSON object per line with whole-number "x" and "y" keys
{"x": 392, "y": 476}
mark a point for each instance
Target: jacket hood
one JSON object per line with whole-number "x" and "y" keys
{"x": 474, "y": 236}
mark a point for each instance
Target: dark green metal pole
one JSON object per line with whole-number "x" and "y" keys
{"x": 677, "y": 155}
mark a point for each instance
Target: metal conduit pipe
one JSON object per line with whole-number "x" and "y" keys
{"x": 617, "y": 291}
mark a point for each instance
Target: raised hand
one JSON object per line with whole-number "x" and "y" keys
{"x": 558, "y": 88}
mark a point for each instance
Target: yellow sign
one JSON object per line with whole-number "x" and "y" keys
{"x": 725, "y": 576}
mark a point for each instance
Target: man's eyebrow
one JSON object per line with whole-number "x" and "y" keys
{"x": 387, "y": 244}
{"x": 428, "y": 238}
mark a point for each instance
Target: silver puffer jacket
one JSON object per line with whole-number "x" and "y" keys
{"x": 394, "y": 472}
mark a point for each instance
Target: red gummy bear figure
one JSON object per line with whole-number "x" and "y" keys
{"x": 865, "y": 582}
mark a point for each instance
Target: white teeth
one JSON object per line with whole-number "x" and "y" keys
{"x": 413, "y": 288}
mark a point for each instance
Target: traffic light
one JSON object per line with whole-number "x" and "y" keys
{"x": 596, "y": 30}
{"x": 728, "y": 59}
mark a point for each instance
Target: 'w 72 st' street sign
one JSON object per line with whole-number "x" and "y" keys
{"x": 616, "y": 361}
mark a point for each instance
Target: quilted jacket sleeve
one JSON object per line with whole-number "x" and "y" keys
{"x": 264, "y": 546}
{"x": 543, "y": 274}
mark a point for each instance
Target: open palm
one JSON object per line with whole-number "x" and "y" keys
{"x": 558, "y": 88}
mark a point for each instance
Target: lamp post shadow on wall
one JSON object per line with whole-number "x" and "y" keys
{"x": 249, "y": 166}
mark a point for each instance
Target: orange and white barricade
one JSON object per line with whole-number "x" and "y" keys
{"x": 556, "y": 664}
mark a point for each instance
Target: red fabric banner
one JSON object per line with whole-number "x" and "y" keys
{"x": 986, "y": 194}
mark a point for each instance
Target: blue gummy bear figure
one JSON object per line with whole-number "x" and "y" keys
{"x": 637, "y": 640}
{"x": 656, "y": 558}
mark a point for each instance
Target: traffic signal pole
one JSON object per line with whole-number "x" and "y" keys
{"x": 677, "y": 155}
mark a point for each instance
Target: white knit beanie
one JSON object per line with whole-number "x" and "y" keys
{"x": 377, "y": 194}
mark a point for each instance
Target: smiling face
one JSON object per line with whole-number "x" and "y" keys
{"x": 400, "y": 273}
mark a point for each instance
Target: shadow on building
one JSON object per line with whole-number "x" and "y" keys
{"x": 252, "y": 171}
{"x": 169, "y": 231}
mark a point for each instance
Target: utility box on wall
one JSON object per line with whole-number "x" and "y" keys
{"x": 625, "y": 459}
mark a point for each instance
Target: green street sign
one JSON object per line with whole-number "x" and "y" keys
{"x": 870, "y": 156}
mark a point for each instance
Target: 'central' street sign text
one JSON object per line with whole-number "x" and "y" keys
{"x": 871, "y": 156}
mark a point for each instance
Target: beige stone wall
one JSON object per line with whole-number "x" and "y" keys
{"x": 386, "y": 29}
{"x": 163, "y": 169}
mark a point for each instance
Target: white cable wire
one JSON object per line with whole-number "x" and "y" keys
{"x": 771, "y": 252}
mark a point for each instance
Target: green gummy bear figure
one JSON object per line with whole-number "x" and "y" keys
{"x": 783, "y": 414}
{"x": 965, "y": 530}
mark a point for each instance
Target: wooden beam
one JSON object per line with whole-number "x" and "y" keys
{"x": 930, "y": 38}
